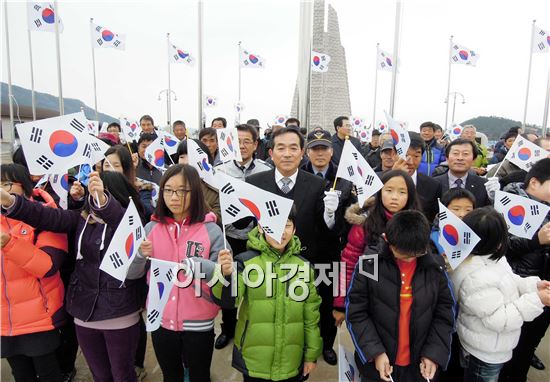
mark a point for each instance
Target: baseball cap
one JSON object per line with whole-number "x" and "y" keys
{"x": 387, "y": 145}
{"x": 319, "y": 138}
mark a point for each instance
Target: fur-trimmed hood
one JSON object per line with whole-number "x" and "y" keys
{"x": 356, "y": 214}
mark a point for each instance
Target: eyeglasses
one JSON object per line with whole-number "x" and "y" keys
{"x": 8, "y": 185}
{"x": 246, "y": 142}
{"x": 179, "y": 193}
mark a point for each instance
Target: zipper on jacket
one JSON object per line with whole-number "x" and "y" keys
{"x": 6, "y": 293}
{"x": 44, "y": 296}
{"x": 244, "y": 334}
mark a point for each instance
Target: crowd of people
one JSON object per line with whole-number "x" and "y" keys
{"x": 416, "y": 320}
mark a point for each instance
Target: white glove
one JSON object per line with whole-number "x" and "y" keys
{"x": 492, "y": 185}
{"x": 331, "y": 200}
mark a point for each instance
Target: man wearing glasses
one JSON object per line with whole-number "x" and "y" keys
{"x": 237, "y": 233}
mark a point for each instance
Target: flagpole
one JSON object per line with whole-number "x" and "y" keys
{"x": 398, "y": 13}
{"x": 33, "y": 99}
{"x": 10, "y": 93}
{"x": 375, "y": 86}
{"x": 239, "y": 55}
{"x": 546, "y": 106}
{"x": 529, "y": 72}
{"x": 304, "y": 62}
{"x": 169, "y": 94}
{"x": 58, "y": 51}
{"x": 199, "y": 59}
{"x": 93, "y": 67}
{"x": 448, "y": 82}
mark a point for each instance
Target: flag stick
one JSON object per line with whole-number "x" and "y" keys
{"x": 529, "y": 73}
{"x": 335, "y": 177}
{"x": 78, "y": 173}
{"x": 10, "y": 94}
{"x": 199, "y": 64}
{"x": 169, "y": 94}
{"x": 223, "y": 225}
{"x": 126, "y": 139}
{"x": 398, "y": 14}
{"x": 93, "y": 67}
{"x": 546, "y": 106}
{"x": 448, "y": 81}
{"x": 239, "y": 112}
{"x": 58, "y": 51}
{"x": 375, "y": 86}
{"x": 33, "y": 98}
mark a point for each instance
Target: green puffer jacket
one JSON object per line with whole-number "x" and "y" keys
{"x": 274, "y": 335}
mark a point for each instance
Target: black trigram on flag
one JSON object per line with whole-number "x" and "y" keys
{"x": 442, "y": 215}
{"x": 199, "y": 150}
{"x": 36, "y": 135}
{"x": 369, "y": 180}
{"x": 37, "y": 7}
{"x": 534, "y": 210}
{"x": 527, "y": 227}
{"x": 232, "y": 210}
{"x": 399, "y": 151}
{"x": 55, "y": 178}
{"x": 455, "y": 58}
{"x": 156, "y": 272}
{"x": 354, "y": 155}
{"x": 542, "y": 33}
{"x": 44, "y": 162}
{"x": 540, "y": 45}
{"x": 138, "y": 233}
{"x": 38, "y": 23}
{"x": 100, "y": 41}
{"x": 505, "y": 200}
{"x": 96, "y": 147}
{"x": 87, "y": 151}
{"x": 170, "y": 274}
{"x": 267, "y": 229}
{"x": 467, "y": 237}
{"x": 131, "y": 220}
{"x": 116, "y": 43}
{"x": 153, "y": 315}
{"x": 520, "y": 142}
{"x": 456, "y": 254}
{"x": 224, "y": 152}
{"x": 116, "y": 260}
{"x": 77, "y": 125}
{"x": 222, "y": 136}
{"x": 200, "y": 166}
{"x": 272, "y": 208}
{"x": 351, "y": 172}
{"x": 359, "y": 190}
{"x": 227, "y": 189}
{"x": 98, "y": 28}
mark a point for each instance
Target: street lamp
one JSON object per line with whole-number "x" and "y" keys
{"x": 454, "y": 94}
{"x": 168, "y": 103}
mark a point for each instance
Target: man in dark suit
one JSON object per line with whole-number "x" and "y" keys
{"x": 342, "y": 125}
{"x": 461, "y": 153}
{"x": 316, "y": 208}
{"x": 330, "y": 244}
{"x": 427, "y": 189}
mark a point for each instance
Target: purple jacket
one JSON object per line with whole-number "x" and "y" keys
{"x": 92, "y": 295}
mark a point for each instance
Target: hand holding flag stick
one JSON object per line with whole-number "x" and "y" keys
{"x": 95, "y": 187}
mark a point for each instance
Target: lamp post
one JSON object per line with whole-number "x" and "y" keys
{"x": 454, "y": 94}
{"x": 168, "y": 104}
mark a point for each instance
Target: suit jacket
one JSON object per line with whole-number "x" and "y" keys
{"x": 428, "y": 191}
{"x": 474, "y": 183}
{"x": 308, "y": 197}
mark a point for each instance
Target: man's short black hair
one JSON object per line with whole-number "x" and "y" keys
{"x": 114, "y": 124}
{"x": 249, "y": 129}
{"x": 429, "y": 124}
{"x": 417, "y": 142}
{"x": 339, "y": 121}
{"x": 491, "y": 228}
{"x": 292, "y": 122}
{"x": 509, "y": 135}
{"x": 540, "y": 171}
{"x": 457, "y": 193}
{"x": 147, "y": 117}
{"x": 221, "y": 119}
{"x": 178, "y": 122}
{"x": 208, "y": 131}
{"x": 286, "y": 130}
{"x": 146, "y": 137}
{"x": 460, "y": 142}
{"x": 409, "y": 232}
{"x": 437, "y": 127}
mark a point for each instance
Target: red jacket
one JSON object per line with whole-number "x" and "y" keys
{"x": 31, "y": 289}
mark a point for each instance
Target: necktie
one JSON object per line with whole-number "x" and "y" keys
{"x": 286, "y": 182}
{"x": 459, "y": 183}
{"x": 320, "y": 174}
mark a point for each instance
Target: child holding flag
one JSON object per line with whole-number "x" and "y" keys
{"x": 401, "y": 322}
{"x": 105, "y": 312}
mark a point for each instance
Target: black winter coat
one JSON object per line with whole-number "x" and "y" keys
{"x": 372, "y": 311}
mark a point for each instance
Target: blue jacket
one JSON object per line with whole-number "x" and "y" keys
{"x": 432, "y": 157}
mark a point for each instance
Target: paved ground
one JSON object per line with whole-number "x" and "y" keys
{"x": 223, "y": 372}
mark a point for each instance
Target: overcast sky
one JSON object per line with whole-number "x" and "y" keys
{"x": 129, "y": 81}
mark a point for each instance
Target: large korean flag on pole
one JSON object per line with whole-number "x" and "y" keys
{"x": 42, "y": 16}
{"x": 523, "y": 215}
{"x": 457, "y": 239}
{"x": 355, "y": 168}
{"x": 239, "y": 199}
{"x": 105, "y": 38}
{"x": 54, "y": 145}
{"x": 124, "y": 245}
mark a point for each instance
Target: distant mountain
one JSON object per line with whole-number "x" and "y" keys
{"x": 494, "y": 127}
{"x": 49, "y": 102}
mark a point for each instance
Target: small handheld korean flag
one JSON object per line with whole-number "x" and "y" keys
{"x": 364, "y": 134}
{"x": 523, "y": 215}
{"x": 357, "y": 123}
{"x": 124, "y": 244}
{"x": 355, "y": 168}
{"x": 251, "y": 60}
{"x": 210, "y": 101}
{"x": 155, "y": 189}
{"x": 541, "y": 41}
{"x": 462, "y": 55}
{"x": 60, "y": 185}
{"x": 239, "y": 199}
{"x": 170, "y": 142}
{"x": 457, "y": 239}
{"x": 41, "y": 17}
{"x": 161, "y": 282}
{"x": 384, "y": 61}
{"x": 103, "y": 128}
{"x": 130, "y": 129}
{"x": 180, "y": 56}
{"x": 198, "y": 159}
{"x": 399, "y": 135}
{"x": 228, "y": 146}
{"x": 54, "y": 145}
{"x": 154, "y": 153}
{"x": 93, "y": 128}
{"x": 347, "y": 369}
{"x": 105, "y": 38}
{"x": 525, "y": 153}
{"x": 319, "y": 62}
{"x": 94, "y": 150}
{"x": 280, "y": 120}
{"x": 454, "y": 131}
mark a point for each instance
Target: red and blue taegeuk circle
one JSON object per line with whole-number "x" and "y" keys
{"x": 394, "y": 136}
{"x": 464, "y": 54}
{"x": 63, "y": 144}
{"x": 159, "y": 158}
{"x": 253, "y": 59}
{"x": 524, "y": 153}
{"x": 107, "y": 35}
{"x": 252, "y": 207}
{"x": 450, "y": 233}
{"x": 48, "y": 15}
{"x": 516, "y": 215}
{"x": 316, "y": 60}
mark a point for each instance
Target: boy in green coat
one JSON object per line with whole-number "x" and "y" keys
{"x": 277, "y": 336}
